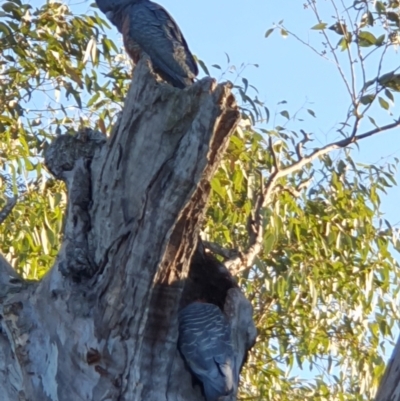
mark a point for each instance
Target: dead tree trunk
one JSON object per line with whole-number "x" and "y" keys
{"x": 102, "y": 324}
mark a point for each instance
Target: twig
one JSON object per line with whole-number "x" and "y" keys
{"x": 332, "y": 146}
{"x": 306, "y": 44}
{"x": 294, "y": 191}
{"x": 299, "y": 146}
{"x": 219, "y": 250}
{"x": 274, "y": 156}
{"x": 337, "y": 63}
{"x": 351, "y": 60}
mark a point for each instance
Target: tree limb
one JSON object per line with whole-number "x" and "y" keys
{"x": 255, "y": 225}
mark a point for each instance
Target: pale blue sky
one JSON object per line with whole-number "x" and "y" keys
{"x": 287, "y": 70}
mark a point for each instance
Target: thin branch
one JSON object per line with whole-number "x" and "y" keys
{"x": 356, "y": 123}
{"x": 219, "y": 250}
{"x": 299, "y": 146}
{"x": 351, "y": 60}
{"x": 255, "y": 224}
{"x": 274, "y": 156}
{"x": 294, "y": 191}
{"x": 332, "y": 146}
{"x": 307, "y": 44}
{"x": 341, "y": 72}
{"x": 359, "y": 53}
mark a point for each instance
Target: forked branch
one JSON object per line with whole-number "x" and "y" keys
{"x": 245, "y": 259}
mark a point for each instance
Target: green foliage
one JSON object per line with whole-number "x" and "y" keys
{"x": 59, "y": 72}
{"x": 30, "y": 237}
{"x": 321, "y": 283}
{"x": 325, "y": 279}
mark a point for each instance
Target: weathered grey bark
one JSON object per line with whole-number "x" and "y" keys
{"x": 389, "y": 387}
{"x": 102, "y": 325}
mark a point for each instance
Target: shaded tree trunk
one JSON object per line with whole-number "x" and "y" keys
{"x": 102, "y": 324}
{"x": 389, "y": 387}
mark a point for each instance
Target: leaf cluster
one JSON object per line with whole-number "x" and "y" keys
{"x": 58, "y": 72}
{"x": 321, "y": 283}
